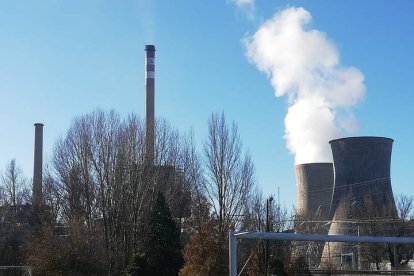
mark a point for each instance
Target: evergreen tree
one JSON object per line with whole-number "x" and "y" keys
{"x": 138, "y": 266}
{"x": 161, "y": 243}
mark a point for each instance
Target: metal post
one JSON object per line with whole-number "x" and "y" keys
{"x": 353, "y": 260}
{"x": 232, "y": 254}
{"x": 267, "y": 230}
{"x": 329, "y": 252}
{"x": 268, "y": 201}
{"x": 395, "y": 257}
{"x": 233, "y": 236}
{"x": 359, "y": 253}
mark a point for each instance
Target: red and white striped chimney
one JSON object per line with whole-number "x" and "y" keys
{"x": 150, "y": 113}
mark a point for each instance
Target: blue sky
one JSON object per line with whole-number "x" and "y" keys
{"x": 60, "y": 59}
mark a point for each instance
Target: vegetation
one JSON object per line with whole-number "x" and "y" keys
{"x": 161, "y": 247}
{"x": 107, "y": 213}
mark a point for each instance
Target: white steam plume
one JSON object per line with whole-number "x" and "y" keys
{"x": 304, "y": 65}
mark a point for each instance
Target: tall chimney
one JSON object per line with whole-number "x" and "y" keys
{"x": 37, "y": 196}
{"x": 149, "y": 114}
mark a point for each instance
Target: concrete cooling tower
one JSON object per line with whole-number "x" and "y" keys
{"x": 362, "y": 169}
{"x": 361, "y": 179}
{"x": 314, "y": 186}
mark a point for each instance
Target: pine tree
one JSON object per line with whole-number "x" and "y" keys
{"x": 161, "y": 243}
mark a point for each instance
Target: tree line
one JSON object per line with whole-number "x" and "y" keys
{"x": 106, "y": 212}
{"x": 100, "y": 197}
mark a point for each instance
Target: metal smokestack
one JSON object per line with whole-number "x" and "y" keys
{"x": 37, "y": 196}
{"x": 150, "y": 93}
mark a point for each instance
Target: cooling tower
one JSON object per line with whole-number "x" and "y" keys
{"x": 362, "y": 168}
{"x": 362, "y": 184}
{"x": 149, "y": 107}
{"x": 37, "y": 196}
{"x": 314, "y": 186}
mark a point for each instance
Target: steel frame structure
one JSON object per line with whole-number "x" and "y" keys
{"x": 233, "y": 236}
{"x": 27, "y": 270}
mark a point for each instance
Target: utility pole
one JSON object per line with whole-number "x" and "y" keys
{"x": 268, "y": 202}
{"x": 359, "y": 253}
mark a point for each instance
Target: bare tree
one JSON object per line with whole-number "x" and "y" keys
{"x": 14, "y": 185}
{"x": 373, "y": 222}
{"x": 263, "y": 214}
{"x": 52, "y": 195}
{"x": 101, "y": 181}
{"x": 400, "y": 255}
{"x": 203, "y": 240}
{"x": 12, "y": 214}
{"x": 229, "y": 177}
